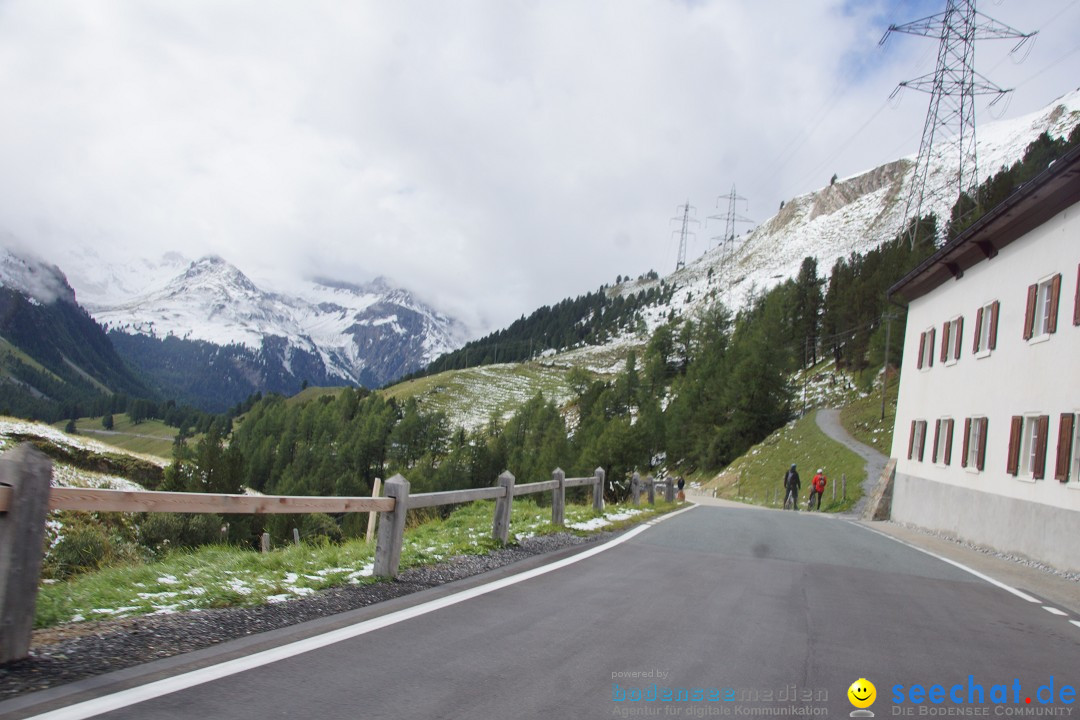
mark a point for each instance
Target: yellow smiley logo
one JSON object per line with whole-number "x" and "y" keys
{"x": 862, "y": 693}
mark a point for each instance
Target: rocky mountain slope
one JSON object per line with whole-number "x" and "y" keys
{"x": 853, "y": 214}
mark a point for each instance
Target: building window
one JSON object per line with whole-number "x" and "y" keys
{"x": 952, "y": 334}
{"x": 1027, "y": 446}
{"x": 943, "y": 432}
{"x": 917, "y": 440}
{"x": 1067, "y": 467}
{"x": 986, "y": 319}
{"x": 1040, "y": 320}
{"x": 926, "y": 348}
{"x": 974, "y": 456}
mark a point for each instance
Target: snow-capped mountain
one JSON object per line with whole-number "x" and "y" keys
{"x": 854, "y": 214}
{"x": 365, "y": 334}
{"x": 36, "y": 279}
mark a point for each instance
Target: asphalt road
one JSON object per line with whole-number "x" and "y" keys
{"x": 758, "y": 606}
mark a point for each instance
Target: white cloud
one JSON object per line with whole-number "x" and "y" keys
{"x": 491, "y": 155}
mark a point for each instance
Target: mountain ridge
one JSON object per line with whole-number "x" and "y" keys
{"x": 329, "y": 331}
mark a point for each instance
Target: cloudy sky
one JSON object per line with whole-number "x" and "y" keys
{"x": 491, "y": 155}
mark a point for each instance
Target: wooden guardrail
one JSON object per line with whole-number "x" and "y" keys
{"x": 26, "y": 497}
{"x": 649, "y": 485}
{"x": 181, "y": 502}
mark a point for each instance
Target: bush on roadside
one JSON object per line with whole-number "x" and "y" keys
{"x": 320, "y": 527}
{"x": 162, "y": 531}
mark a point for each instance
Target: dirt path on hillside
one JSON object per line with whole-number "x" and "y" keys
{"x": 828, "y": 419}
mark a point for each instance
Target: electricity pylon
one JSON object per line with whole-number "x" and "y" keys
{"x": 727, "y": 240}
{"x": 949, "y": 128}
{"x": 685, "y": 232}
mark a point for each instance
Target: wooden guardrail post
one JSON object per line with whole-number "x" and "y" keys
{"x": 27, "y": 472}
{"x": 650, "y": 485}
{"x": 598, "y": 489}
{"x": 372, "y": 516}
{"x": 392, "y": 528}
{"x": 669, "y": 491}
{"x": 558, "y": 498}
{"x": 500, "y": 526}
{"x": 635, "y": 488}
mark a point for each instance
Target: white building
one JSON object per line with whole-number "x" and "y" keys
{"x": 987, "y": 435}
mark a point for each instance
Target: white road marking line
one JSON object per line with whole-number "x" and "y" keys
{"x": 1054, "y": 610}
{"x": 1018, "y": 593}
{"x": 1075, "y": 622}
{"x": 662, "y": 518}
{"x": 133, "y": 696}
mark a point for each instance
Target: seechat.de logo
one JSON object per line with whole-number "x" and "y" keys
{"x": 862, "y": 695}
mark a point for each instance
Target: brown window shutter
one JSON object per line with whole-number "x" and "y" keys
{"x": 945, "y": 341}
{"x": 1029, "y": 314}
{"x": 922, "y": 347}
{"x": 937, "y": 435}
{"x": 948, "y": 440}
{"x": 922, "y": 440}
{"x": 1039, "y": 471}
{"x": 982, "y": 443}
{"x": 911, "y": 442}
{"x": 959, "y": 337}
{"x": 1064, "y": 447}
{"x": 978, "y": 330}
{"x": 993, "y": 323}
{"x": 1055, "y": 296}
{"x": 966, "y": 447}
{"x": 1013, "y": 466}
{"x": 1076, "y": 302}
{"x": 930, "y": 342}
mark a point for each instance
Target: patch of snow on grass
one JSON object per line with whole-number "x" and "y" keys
{"x": 594, "y": 524}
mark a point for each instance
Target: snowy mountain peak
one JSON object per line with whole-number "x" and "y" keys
{"x": 368, "y": 334}
{"x": 40, "y": 281}
{"x": 214, "y": 274}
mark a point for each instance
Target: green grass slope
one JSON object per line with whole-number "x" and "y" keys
{"x": 149, "y": 437}
{"x": 470, "y": 398}
{"x": 757, "y": 477}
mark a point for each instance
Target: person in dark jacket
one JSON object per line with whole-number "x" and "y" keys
{"x": 792, "y": 483}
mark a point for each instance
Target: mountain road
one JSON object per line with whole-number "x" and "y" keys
{"x": 747, "y": 611}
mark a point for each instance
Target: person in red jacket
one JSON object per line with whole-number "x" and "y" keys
{"x": 817, "y": 490}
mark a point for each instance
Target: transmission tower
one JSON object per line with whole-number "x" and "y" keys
{"x": 949, "y": 130}
{"x": 727, "y": 240}
{"x": 685, "y": 232}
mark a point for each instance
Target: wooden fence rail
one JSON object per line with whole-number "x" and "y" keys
{"x": 26, "y": 497}
{"x": 183, "y": 502}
